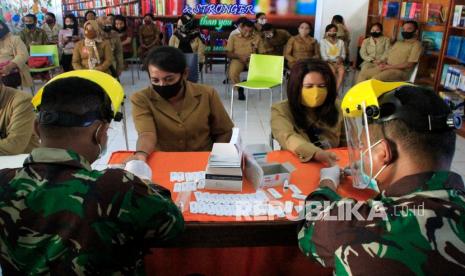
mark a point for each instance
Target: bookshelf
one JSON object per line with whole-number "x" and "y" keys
{"x": 435, "y": 18}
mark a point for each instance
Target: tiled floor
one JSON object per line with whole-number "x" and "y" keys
{"x": 254, "y": 124}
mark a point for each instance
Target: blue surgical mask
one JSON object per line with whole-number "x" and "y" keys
{"x": 367, "y": 181}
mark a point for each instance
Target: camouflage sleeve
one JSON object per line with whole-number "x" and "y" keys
{"x": 325, "y": 228}
{"x": 148, "y": 212}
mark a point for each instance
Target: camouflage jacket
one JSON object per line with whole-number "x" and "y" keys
{"x": 60, "y": 217}
{"x": 417, "y": 226}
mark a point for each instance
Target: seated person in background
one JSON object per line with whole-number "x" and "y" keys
{"x": 310, "y": 121}
{"x": 149, "y": 36}
{"x": 238, "y": 28}
{"x": 342, "y": 32}
{"x": 87, "y": 221}
{"x": 301, "y": 46}
{"x": 31, "y": 35}
{"x": 174, "y": 114}
{"x": 414, "y": 226}
{"x": 375, "y": 48}
{"x": 67, "y": 38}
{"x": 274, "y": 40}
{"x": 260, "y": 21}
{"x": 110, "y": 35}
{"x": 111, "y": 18}
{"x": 93, "y": 52}
{"x": 401, "y": 58}
{"x": 239, "y": 49}
{"x": 187, "y": 38}
{"x": 90, "y": 15}
{"x": 51, "y": 28}
{"x": 125, "y": 35}
{"x": 16, "y": 122}
{"x": 13, "y": 57}
{"x": 333, "y": 51}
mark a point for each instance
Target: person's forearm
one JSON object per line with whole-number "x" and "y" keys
{"x": 232, "y": 55}
{"x": 146, "y": 142}
{"x": 406, "y": 65}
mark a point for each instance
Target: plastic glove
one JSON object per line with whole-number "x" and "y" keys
{"x": 140, "y": 169}
{"x": 330, "y": 177}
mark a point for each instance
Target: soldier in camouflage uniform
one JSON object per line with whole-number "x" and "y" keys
{"x": 60, "y": 217}
{"x": 421, "y": 229}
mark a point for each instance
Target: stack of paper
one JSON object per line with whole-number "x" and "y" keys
{"x": 224, "y": 168}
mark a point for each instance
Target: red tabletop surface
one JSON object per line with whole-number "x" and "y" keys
{"x": 272, "y": 260}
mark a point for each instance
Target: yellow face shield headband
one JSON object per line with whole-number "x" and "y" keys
{"x": 110, "y": 85}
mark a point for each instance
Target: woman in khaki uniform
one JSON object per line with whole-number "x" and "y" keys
{"x": 174, "y": 114}
{"x": 310, "y": 121}
{"x": 93, "y": 52}
{"x": 149, "y": 35}
{"x": 301, "y": 46}
{"x": 106, "y": 24}
{"x": 374, "y": 48}
{"x": 13, "y": 58}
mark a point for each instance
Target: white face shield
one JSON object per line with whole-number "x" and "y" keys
{"x": 360, "y": 151}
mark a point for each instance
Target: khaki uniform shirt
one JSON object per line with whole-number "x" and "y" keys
{"x": 372, "y": 50}
{"x": 196, "y": 44}
{"x": 81, "y": 56}
{"x": 240, "y": 45}
{"x": 298, "y": 48}
{"x": 52, "y": 34}
{"x": 38, "y": 36}
{"x": 13, "y": 49}
{"x": 405, "y": 51}
{"x": 116, "y": 49}
{"x": 148, "y": 34}
{"x": 16, "y": 122}
{"x": 296, "y": 140}
{"x": 202, "y": 121}
{"x": 276, "y": 44}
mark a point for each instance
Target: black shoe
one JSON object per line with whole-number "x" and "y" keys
{"x": 241, "y": 94}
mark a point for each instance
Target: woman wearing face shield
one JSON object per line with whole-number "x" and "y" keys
{"x": 93, "y": 52}
{"x": 301, "y": 46}
{"x": 310, "y": 121}
{"x": 174, "y": 114}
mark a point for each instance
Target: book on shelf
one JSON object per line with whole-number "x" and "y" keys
{"x": 391, "y": 9}
{"x": 454, "y": 100}
{"x": 411, "y": 10}
{"x": 436, "y": 14}
{"x": 454, "y": 77}
{"x": 454, "y": 46}
{"x": 459, "y": 16}
{"x": 432, "y": 41}
{"x": 162, "y": 7}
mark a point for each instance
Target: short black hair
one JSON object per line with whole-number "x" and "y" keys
{"x": 380, "y": 26}
{"x": 267, "y": 27}
{"x": 248, "y": 23}
{"x": 413, "y": 22}
{"x": 338, "y": 19}
{"x": 149, "y": 15}
{"x": 241, "y": 20}
{"x": 111, "y": 14}
{"x": 329, "y": 27}
{"x": 89, "y": 11}
{"x": 167, "y": 58}
{"x": 428, "y": 146}
{"x": 51, "y": 14}
{"x": 259, "y": 14}
{"x": 31, "y": 15}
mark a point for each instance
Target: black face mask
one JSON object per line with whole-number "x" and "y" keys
{"x": 375, "y": 34}
{"x": 168, "y": 91}
{"x": 4, "y": 31}
{"x": 408, "y": 35}
{"x": 71, "y": 26}
{"x": 107, "y": 28}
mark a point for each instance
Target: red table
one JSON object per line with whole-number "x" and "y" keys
{"x": 213, "y": 245}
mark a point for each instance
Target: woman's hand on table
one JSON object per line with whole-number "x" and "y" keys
{"x": 136, "y": 156}
{"x": 326, "y": 157}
